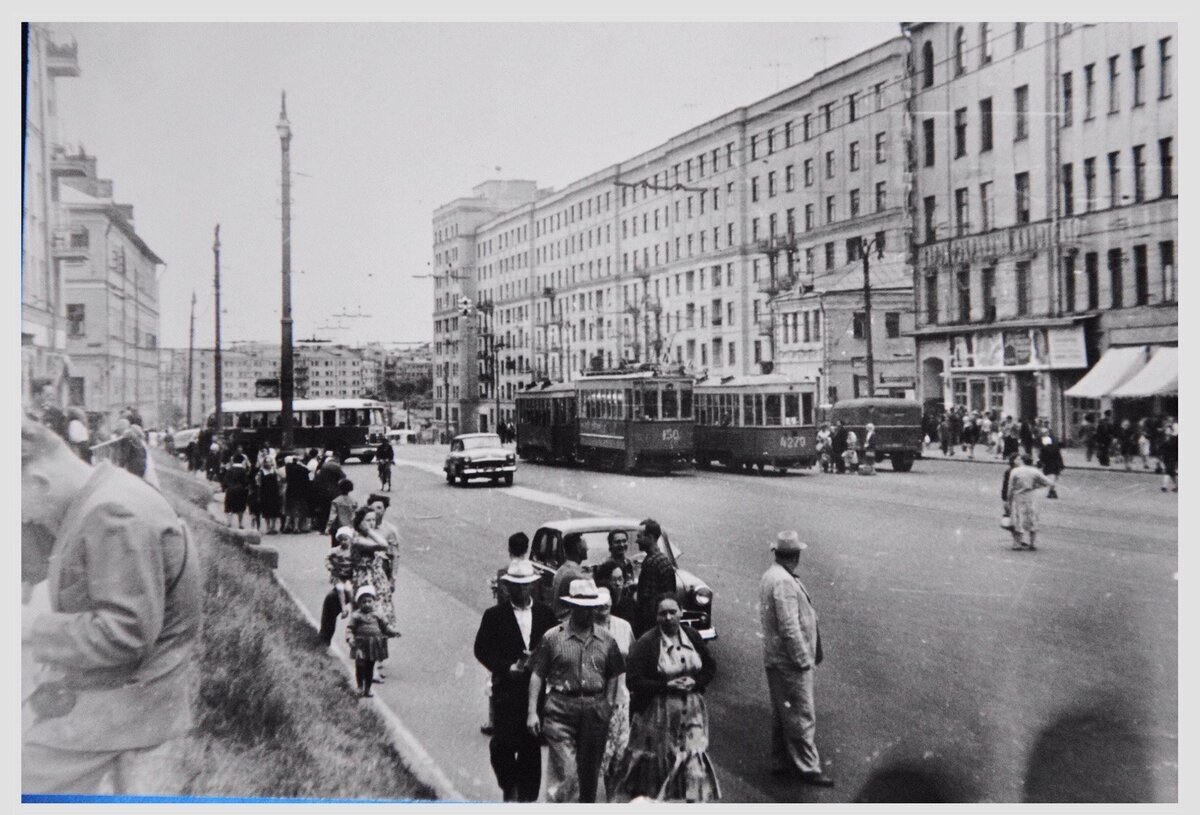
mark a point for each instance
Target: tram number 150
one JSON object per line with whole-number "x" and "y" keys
{"x": 670, "y": 434}
{"x": 791, "y": 442}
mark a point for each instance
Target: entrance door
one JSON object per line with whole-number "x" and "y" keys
{"x": 1026, "y": 396}
{"x": 483, "y": 423}
{"x": 978, "y": 395}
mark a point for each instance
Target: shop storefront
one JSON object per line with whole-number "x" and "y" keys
{"x": 1019, "y": 371}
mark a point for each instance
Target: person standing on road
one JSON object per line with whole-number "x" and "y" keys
{"x": 113, "y": 624}
{"x": 385, "y": 457}
{"x": 1014, "y": 461}
{"x": 657, "y": 576}
{"x": 1104, "y": 438}
{"x": 837, "y": 446}
{"x": 791, "y": 653}
{"x": 579, "y": 665}
{"x": 575, "y": 551}
{"x": 618, "y": 545}
{"x": 267, "y": 481}
{"x": 509, "y": 633}
{"x": 326, "y": 478}
{"x": 1168, "y": 454}
{"x": 1051, "y": 463}
{"x": 1022, "y": 481}
{"x": 669, "y": 668}
{"x": 295, "y": 497}
{"x": 380, "y": 503}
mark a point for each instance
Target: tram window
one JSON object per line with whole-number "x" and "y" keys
{"x": 685, "y": 403}
{"x": 637, "y": 403}
{"x": 346, "y": 417}
{"x": 670, "y": 403}
{"x": 758, "y": 410}
{"x": 773, "y": 414}
{"x": 650, "y": 403}
{"x": 626, "y": 401}
{"x": 791, "y": 408}
{"x": 748, "y": 409}
{"x": 329, "y": 418}
{"x": 275, "y": 419}
{"x": 807, "y": 404}
{"x": 310, "y": 418}
{"x": 243, "y": 420}
{"x": 230, "y": 419}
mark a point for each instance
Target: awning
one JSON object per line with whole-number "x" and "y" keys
{"x": 1160, "y": 376}
{"x": 1116, "y": 367}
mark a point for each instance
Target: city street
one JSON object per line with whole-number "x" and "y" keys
{"x": 988, "y": 674}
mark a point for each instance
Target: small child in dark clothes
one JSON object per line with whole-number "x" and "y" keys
{"x": 367, "y": 632}
{"x": 341, "y": 568}
{"x": 341, "y": 510}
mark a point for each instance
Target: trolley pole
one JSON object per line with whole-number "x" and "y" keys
{"x": 217, "y": 339}
{"x": 286, "y": 381}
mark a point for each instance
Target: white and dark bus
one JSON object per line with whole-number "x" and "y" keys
{"x": 349, "y": 427}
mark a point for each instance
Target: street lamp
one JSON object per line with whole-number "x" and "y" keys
{"x": 286, "y": 382}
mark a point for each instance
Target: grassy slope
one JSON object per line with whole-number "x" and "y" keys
{"x": 275, "y": 715}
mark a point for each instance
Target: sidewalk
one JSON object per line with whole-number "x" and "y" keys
{"x": 1074, "y": 458}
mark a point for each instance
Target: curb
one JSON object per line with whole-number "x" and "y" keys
{"x": 415, "y": 757}
{"x": 1066, "y": 464}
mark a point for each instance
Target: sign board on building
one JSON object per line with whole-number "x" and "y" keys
{"x": 1024, "y": 348}
{"x": 1016, "y": 240}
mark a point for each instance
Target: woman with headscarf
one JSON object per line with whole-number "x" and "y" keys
{"x": 367, "y": 552}
{"x": 668, "y": 669}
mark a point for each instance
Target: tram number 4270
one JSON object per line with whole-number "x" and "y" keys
{"x": 671, "y": 434}
{"x": 791, "y": 442}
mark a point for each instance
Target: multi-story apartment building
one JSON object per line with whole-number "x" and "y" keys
{"x": 43, "y": 320}
{"x": 110, "y": 292}
{"x": 666, "y": 256}
{"x": 1044, "y": 210}
{"x": 455, "y": 272}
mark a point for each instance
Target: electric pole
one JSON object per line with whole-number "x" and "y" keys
{"x": 217, "y": 343}
{"x": 867, "y": 247}
{"x": 191, "y": 348}
{"x": 286, "y": 383}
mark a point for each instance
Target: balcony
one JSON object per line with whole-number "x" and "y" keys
{"x": 70, "y": 244}
{"x": 772, "y": 286}
{"x": 62, "y": 60}
{"x": 766, "y": 324}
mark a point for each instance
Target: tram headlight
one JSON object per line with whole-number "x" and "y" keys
{"x": 703, "y": 596}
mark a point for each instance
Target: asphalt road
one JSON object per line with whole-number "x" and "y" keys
{"x": 954, "y": 667}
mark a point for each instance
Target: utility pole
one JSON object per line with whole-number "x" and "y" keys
{"x": 867, "y": 247}
{"x": 217, "y": 371}
{"x": 286, "y": 382}
{"x": 191, "y": 348}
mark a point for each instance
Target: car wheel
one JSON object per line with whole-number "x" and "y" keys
{"x": 449, "y": 478}
{"x": 508, "y": 479}
{"x": 902, "y": 463}
{"x": 366, "y": 458}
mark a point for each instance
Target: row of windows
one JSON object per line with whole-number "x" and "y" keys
{"x": 754, "y": 409}
{"x": 1081, "y": 290}
{"x": 1137, "y": 78}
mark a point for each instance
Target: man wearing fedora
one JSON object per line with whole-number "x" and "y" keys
{"x": 791, "y": 652}
{"x": 580, "y": 666}
{"x": 509, "y": 632}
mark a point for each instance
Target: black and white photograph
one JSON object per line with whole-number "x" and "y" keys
{"x": 599, "y": 405}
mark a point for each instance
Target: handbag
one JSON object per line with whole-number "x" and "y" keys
{"x": 1006, "y": 521}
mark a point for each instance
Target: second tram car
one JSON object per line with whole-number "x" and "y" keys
{"x": 630, "y": 421}
{"x": 758, "y": 421}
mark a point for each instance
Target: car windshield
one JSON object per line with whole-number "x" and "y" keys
{"x": 475, "y": 442}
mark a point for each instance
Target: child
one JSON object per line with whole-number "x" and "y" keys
{"x": 367, "y": 632}
{"x": 341, "y": 510}
{"x": 341, "y": 568}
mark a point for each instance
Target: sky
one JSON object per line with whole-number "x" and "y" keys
{"x": 389, "y": 121}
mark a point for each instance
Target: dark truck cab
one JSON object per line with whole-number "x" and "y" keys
{"x": 898, "y": 431}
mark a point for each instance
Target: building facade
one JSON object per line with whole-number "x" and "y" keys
{"x": 44, "y": 358}
{"x": 110, "y": 293}
{"x": 1044, "y": 207}
{"x": 675, "y": 255}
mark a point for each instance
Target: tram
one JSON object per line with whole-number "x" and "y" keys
{"x": 629, "y": 421}
{"x": 760, "y": 420}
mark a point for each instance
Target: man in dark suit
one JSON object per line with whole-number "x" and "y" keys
{"x": 508, "y": 635}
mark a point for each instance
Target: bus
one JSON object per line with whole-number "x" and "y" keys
{"x": 630, "y": 421}
{"x": 349, "y": 427}
{"x": 759, "y": 420}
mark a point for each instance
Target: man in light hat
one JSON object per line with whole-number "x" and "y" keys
{"x": 580, "y": 666}
{"x": 508, "y": 634}
{"x": 791, "y": 652}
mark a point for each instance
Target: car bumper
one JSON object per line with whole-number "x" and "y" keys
{"x": 701, "y": 624}
{"x": 488, "y": 469}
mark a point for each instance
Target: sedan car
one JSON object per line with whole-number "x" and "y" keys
{"x": 479, "y": 455}
{"x": 546, "y": 552}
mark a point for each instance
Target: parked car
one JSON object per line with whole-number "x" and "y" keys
{"x": 546, "y": 552}
{"x": 479, "y": 455}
